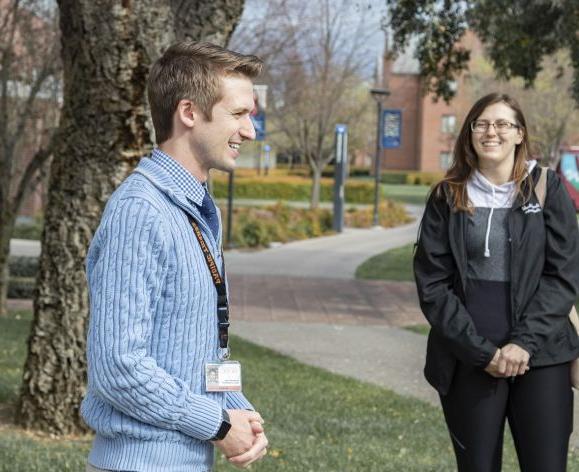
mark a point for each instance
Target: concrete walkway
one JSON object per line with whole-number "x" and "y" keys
{"x": 335, "y": 256}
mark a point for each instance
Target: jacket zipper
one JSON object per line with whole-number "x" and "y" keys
{"x": 512, "y": 264}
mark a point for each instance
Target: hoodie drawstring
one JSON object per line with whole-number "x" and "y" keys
{"x": 487, "y": 249}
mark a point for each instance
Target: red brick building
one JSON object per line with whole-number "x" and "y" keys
{"x": 429, "y": 128}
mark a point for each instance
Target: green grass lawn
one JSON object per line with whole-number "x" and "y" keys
{"x": 315, "y": 421}
{"x": 395, "y": 264}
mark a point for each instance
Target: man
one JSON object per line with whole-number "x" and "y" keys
{"x": 161, "y": 392}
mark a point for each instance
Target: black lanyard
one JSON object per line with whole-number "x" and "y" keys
{"x": 220, "y": 286}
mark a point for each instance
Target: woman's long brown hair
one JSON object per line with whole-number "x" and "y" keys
{"x": 465, "y": 160}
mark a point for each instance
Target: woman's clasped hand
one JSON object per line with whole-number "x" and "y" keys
{"x": 508, "y": 361}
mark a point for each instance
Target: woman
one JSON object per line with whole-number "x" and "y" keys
{"x": 497, "y": 276}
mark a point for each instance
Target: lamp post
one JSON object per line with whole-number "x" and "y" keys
{"x": 379, "y": 95}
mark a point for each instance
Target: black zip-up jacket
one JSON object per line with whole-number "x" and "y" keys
{"x": 544, "y": 283}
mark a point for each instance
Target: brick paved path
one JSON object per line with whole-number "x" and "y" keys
{"x": 314, "y": 300}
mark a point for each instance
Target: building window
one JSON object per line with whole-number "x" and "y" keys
{"x": 448, "y": 123}
{"x": 445, "y": 160}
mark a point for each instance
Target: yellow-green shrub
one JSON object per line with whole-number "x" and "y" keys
{"x": 257, "y": 227}
{"x": 291, "y": 188}
{"x": 423, "y": 178}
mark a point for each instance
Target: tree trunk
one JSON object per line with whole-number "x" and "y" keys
{"x": 5, "y": 233}
{"x": 316, "y": 184}
{"x": 107, "y": 49}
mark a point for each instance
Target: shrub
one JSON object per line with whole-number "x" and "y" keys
{"x": 389, "y": 214}
{"x": 21, "y": 287}
{"x": 393, "y": 177}
{"x": 22, "y": 266}
{"x": 423, "y": 178}
{"x": 258, "y": 227}
{"x": 28, "y": 231}
{"x": 359, "y": 172}
{"x": 291, "y": 188}
{"x": 410, "y": 177}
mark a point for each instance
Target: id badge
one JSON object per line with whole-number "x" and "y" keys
{"x": 223, "y": 376}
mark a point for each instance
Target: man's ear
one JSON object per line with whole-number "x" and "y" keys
{"x": 186, "y": 113}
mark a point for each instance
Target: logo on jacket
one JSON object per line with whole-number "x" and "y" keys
{"x": 531, "y": 208}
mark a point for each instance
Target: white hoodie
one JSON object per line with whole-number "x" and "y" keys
{"x": 484, "y": 194}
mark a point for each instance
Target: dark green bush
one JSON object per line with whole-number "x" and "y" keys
{"x": 28, "y": 231}
{"x": 22, "y": 266}
{"x": 359, "y": 172}
{"x": 21, "y": 287}
{"x": 398, "y": 178}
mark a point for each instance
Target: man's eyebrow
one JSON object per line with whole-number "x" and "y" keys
{"x": 241, "y": 109}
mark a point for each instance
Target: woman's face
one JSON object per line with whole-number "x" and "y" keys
{"x": 496, "y": 145}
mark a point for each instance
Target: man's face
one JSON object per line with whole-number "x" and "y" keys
{"x": 216, "y": 143}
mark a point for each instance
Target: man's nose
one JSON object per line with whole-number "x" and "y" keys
{"x": 247, "y": 130}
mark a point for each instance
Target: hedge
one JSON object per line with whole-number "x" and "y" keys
{"x": 423, "y": 178}
{"x": 28, "y": 231}
{"x": 22, "y": 266}
{"x": 258, "y": 227}
{"x": 291, "y": 189}
{"x": 255, "y": 227}
{"x": 21, "y": 287}
{"x": 393, "y": 178}
{"x": 22, "y": 280}
{"x": 411, "y": 177}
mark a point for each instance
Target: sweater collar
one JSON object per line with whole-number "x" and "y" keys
{"x": 167, "y": 184}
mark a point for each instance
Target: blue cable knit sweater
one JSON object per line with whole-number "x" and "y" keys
{"x": 153, "y": 326}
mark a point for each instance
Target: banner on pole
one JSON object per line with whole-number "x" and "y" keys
{"x": 391, "y": 128}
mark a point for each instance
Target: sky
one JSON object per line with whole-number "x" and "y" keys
{"x": 373, "y": 11}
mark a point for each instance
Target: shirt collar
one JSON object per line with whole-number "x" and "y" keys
{"x": 187, "y": 183}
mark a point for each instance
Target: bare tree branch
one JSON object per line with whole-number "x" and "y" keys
{"x": 25, "y": 184}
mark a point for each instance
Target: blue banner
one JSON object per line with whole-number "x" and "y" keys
{"x": 258, "y": 121}
{"x": 391, "y": 129}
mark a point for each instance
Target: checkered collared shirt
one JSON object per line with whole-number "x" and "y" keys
{"x": 193, "y": 189}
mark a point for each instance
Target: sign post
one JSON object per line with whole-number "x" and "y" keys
{"x": 340, "y": 168}
{"x": 379, "y": 95}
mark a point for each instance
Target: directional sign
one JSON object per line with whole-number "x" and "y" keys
{"x": 391, "y": 128}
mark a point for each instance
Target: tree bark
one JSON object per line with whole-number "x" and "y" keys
{"x": 316, "y": 184}
{"x": 107, "y": 49}
{"x": 5, "y": 233}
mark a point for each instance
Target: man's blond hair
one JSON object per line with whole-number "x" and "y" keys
{"x": 192, "y": 70}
